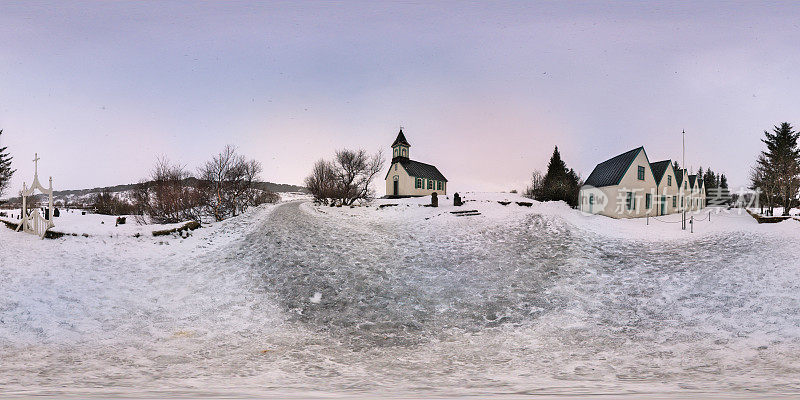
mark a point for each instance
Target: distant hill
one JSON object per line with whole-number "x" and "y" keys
{"x": 272, "y": 187}
{"x": 83, "y": 195}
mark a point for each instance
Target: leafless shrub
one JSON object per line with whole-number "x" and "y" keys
{"x": 346, "y": 179}
{"x": 167, "y": 198}
{"x": 228, "y": 185}
{"x": 537, "y": 180}
{"x": 107, "y": 203}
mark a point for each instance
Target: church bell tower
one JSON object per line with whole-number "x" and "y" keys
{"x": 400, "y": 148}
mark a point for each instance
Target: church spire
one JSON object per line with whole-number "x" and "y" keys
{"x": 401, "y": 139}
{"x": 400, "y": 147}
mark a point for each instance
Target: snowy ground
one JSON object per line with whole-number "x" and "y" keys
{"x": 298, "y": 300}
{"x": 74, "y": 222}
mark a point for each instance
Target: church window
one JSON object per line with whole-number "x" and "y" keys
{"x": 417, "y": 183}
{"x": 438, "y": 185}
{"x": 430, "y": 184}
{"x": 404, "y": 153}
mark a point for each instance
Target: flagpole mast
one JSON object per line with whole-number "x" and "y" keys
{"x": 685, "y": 176}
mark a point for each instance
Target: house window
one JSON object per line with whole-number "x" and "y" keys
{"x": 640, "y": 173}
{"x": 438, "y": 185}
{"x": 591, "y": 199}
{"x": 417, "y": 183}
{"x": 647, "y": 201}
{"x": 669, "y": 180}
{"x": 681, "y": 201}
{"x": 629, "y": 201}
{"x": 430, "y": 184}
{"x": 674, "y": 201}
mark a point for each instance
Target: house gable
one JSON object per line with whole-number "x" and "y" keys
{"x": 660, "y": 169}
{"x": 397, "y": 166}
{"x": 611, "y": 171}
{"x": 631, "y": 175}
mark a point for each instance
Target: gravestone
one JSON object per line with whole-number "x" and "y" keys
{"x": 56, "y": 213}
{"x": 434, "y": 200}
{"x": 457, "y": 200}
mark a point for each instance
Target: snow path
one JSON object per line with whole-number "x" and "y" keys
{"x": 299, "y": 299}
{"x": 449, "y": 300}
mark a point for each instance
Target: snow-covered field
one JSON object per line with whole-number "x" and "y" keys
{"x": 74, "y": 222}
{"x": 294, "y": 300}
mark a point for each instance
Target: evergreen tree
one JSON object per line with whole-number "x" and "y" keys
{"x": 559, "y": 183}
{"x": 709, "y": 180}
{"x": 723, "y": 181}
{"x": 5, "y": 169}
{"x": 783, "y": 159}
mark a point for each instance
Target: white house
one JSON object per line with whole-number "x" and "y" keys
{"x": 667, "y": 190}
{"x": 629, "y": 186}
{"x": 407, "y": 178}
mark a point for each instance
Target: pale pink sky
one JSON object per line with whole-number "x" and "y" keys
{"x": 484, "y": 91}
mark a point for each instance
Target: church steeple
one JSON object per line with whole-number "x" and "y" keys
{"x": 400, "y": 147}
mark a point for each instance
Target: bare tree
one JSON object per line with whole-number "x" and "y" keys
{"x": 764, "y": 177}
{"x": 322, "y": 182}
{"x": 107, "y": 203}
{"x": 346, "y": 179}
{"x": 229, "y": 184}
{"x": 537, "y": 180}
{"x": 141, "y": 201}
{"x": 167, "y": 197}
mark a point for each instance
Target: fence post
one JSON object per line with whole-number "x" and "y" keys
{"x": 691, "y": 223}
{"x": 648, "y": 219}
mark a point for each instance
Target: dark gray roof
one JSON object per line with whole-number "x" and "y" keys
{"x": 659, "y": 168}
{"x": 422, "y": 170}
{"x": 679, "y": 177}
{"x": 401, "y": 139}
{"x": 692, "y": 180}
{"x": 419, "y": 170}
{"x": 611, "y": 171}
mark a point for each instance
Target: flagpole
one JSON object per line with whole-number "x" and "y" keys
{"x": 685, "y": 176}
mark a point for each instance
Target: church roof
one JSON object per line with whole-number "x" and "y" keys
{"x": 659, "y": 168}
{"x": 420, "y": 170}
{"x": 401, "y": 139}
{"x": 611, "y": 171}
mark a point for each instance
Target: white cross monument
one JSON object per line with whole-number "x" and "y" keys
{"x": 36, "y": 224}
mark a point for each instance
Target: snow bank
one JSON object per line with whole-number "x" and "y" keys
{"x": 709, "y": 221}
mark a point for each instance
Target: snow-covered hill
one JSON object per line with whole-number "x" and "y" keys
{"x": 295, "y": 299}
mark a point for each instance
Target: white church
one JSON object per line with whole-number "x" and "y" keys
{"x": 408, "y": 178}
